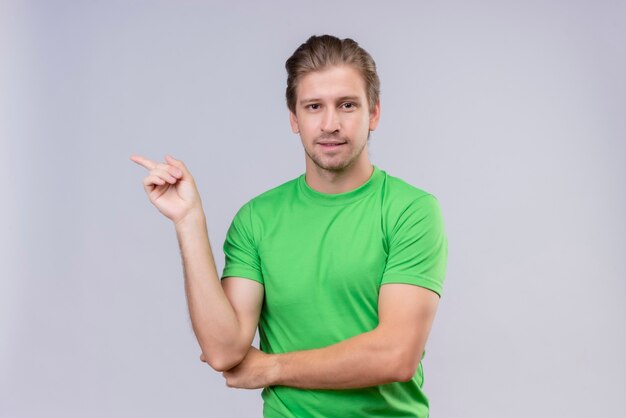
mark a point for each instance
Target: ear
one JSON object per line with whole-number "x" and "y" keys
{"x": 375, "y": 116}
{"x": 293, "y": 121}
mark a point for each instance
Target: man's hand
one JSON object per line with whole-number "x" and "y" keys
{"x": 170, "y": 187}
{"x": 257, "y": 370}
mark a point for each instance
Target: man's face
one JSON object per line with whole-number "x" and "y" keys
{"x": 333, "y": 117}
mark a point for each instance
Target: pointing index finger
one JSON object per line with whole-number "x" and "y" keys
{"x": 144, "y": 162}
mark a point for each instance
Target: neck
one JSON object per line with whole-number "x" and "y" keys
{"x": 333, "y": 182}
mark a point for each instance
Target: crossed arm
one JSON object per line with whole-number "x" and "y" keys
{"x": 389, "y": 353}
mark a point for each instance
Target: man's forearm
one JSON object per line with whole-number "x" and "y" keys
{"x": 213, "y": 318}
{"x": 368, "y": 359}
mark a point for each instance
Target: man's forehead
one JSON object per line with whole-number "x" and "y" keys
{"x": 331, "y": 83}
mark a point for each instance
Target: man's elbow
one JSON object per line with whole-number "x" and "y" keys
{"x": 224, "y": 362}
{"x": 406, "y": 374}
{"x": 407, "y": 365}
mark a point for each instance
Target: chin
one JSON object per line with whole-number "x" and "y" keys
{"x": 331, "y": 164}
{"x": 334, "y": 165}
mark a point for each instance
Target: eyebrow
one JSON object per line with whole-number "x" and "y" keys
{"x": 340, "y": 99}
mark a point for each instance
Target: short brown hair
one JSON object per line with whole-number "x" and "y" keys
{"x": 321, "y": 52}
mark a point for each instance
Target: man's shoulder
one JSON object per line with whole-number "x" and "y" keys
{"x": 404, "y": 205}
{"x": 400, "y": 192}
{"x": 274, "y": 196}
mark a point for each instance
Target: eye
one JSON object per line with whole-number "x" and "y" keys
{"x": 348, "y": 105}
{"x": 313, "y": 106}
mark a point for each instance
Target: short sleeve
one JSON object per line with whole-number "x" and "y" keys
{"x": 240, "y": 251}
{"x": 418, "y": 246}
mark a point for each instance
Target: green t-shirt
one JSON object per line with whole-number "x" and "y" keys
{"x": 322, "y": 259}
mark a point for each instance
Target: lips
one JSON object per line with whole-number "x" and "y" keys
{"x": 331, "y": 146}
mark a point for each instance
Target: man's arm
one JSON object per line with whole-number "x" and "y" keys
{"x": 389, "y": 353}
{"x": 225, "y": 315}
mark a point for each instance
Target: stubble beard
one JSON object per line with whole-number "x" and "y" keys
{"x": 336, "y": 166}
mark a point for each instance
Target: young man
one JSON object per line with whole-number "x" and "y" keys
{"x": 340, "y": 268}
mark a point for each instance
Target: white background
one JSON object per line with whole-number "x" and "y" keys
{"x": 511, "y": 113}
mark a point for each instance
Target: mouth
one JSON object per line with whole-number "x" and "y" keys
{"x": 331, "y": 145}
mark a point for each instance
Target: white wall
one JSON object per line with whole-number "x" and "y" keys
{"x": 511, "y": 113}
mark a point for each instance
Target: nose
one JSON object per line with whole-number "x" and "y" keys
{"x": 330, "y": 122}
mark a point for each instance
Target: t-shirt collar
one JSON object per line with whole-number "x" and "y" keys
{"x": 342, "y": 198}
